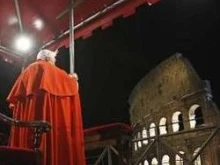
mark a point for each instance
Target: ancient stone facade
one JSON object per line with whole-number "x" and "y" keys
{"x": 174, "y": 119}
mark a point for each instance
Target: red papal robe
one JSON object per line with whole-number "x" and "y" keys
{"x": 45, "y": 92}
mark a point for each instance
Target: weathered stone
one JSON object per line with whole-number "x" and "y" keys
{"x": 172, "y": 89}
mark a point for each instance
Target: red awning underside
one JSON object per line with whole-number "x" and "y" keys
{"x": 48, "y": 10}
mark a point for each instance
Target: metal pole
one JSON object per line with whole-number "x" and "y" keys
{"x": 64, "y": 12}
{"x": 203, "y": 146}
{"x": 71, "y": 46}
{"x": 105, "y": 151}
{"x": 109, "y": 156}
{"x": 17, "y": 8}
{"x": 174, "y": 151}
{"x": 114, "y": 150}
{"x": 18, "y": 14}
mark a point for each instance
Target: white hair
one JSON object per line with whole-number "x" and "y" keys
{"x": 47, "y": 55}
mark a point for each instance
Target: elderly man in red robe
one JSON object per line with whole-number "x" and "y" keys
{"x": 45, "y": 92}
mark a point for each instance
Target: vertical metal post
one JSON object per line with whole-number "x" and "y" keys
{"x": 101, "y": 157}
{"x": 71, "y": 46}
{"x": 18, "y": 13}
{"x": 109, "y": 156}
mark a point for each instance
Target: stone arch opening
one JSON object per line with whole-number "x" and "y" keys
{"x": 195, "y": 116}
{"x": 154, "y": 161}
{"x": 165, "y": 160}
{"x": 163, "y": 126}
{"x": 177, "y": 121}
{"x": 152, "y": 130}
{"x": 144, "y": 135}
{"x": 178, "y": 159}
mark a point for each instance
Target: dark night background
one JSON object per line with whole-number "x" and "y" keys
{"x": 111, "y": 62}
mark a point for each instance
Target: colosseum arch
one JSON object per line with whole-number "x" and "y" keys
{"x": 154, "y": 161}
{"x": 195, "y": 116}
{"x": 144, "y": 135}
{"x": 163, "y": 126}
{"x": 146, "y": 162}
{"x": 177, "y": 121}
{"x": 165, "y": 160}
{"x": 139, "y": 143}
{"x": 152, "y": 130}
{"x": 178, "y": 159}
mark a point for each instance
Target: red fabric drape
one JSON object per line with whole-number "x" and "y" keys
{"x": 45, "y": 92}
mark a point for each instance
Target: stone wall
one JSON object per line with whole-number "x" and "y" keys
{"x": 171, "y": 111}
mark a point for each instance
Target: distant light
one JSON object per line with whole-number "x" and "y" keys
{"x": 38, "y": 24}
{"x": 149, "y": 3}
{"x": 12, "y": 20}
{"x": 23, "y": 43}
{"x": 8, "y": 60}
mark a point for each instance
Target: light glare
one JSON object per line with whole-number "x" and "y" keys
{"x": 23, "y": 43}
{"x": 12, "y": 20}
{"x": 38, "y": 24}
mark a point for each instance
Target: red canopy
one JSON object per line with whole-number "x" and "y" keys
{"x": 88, "y": 15}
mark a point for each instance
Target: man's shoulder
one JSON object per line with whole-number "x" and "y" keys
{"x": 39, "y": 63}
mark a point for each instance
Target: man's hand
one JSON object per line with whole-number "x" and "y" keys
{"x": 74, "y": 75}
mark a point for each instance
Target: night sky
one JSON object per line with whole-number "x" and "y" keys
{"x": 111, "y": 62}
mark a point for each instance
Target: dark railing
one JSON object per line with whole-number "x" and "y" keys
{"x": 39, "y": 127}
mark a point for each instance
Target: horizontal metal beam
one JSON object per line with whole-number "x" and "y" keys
{"x": 83, "y": 23}
{"x": 10, "y": 52}
{"x": 175, "y": 133}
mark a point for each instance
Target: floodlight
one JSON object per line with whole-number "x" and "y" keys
{"x": 23, "y": 43}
